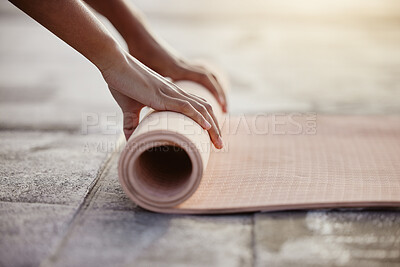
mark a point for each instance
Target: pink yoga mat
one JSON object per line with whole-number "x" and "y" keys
{"x": 269, "y": 162}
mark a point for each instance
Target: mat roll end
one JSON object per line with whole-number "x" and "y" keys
{"x": 160, "y": 169}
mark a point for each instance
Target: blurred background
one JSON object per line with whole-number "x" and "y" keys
{"x": 60, "y": 199}
{"x": 317, "y": 55}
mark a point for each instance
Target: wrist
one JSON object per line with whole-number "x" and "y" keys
{"x": 154, "y": 56}
{"x": 112, "y": 54}
{"x": 123, "y": 69}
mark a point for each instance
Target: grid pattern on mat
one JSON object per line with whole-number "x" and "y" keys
{"x": 270, "y": 162}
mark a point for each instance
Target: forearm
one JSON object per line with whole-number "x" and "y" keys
{"x": 141, "y": 42}
{"x": 132, "y": 84}
{"x": 71, "y": 21}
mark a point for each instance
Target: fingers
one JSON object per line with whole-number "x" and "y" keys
{"x": 203, "y": 104}
{"x": 209, "y": 109}
{"x": 190, "y": 107}
{"x": 209, "y": 81}
{"x": 131, "y": 121}
{"x": 214, "y": 131}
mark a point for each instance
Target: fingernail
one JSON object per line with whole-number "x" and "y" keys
{"x": 220, "y": 143}
{"x": 207, "y": 125}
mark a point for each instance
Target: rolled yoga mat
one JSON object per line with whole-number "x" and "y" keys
{"x": 269, "y": 162}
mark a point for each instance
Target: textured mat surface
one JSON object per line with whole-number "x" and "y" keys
{"x": 269, "y": 162}
{"x": 349, "y": 161}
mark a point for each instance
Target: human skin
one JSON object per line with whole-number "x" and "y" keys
{"x": 151, "y": 51}
{"x": 132, "y": 83}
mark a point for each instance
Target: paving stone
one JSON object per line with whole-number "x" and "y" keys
{"x": 131, "y": 236}
{"x": 140, "y": 238}
{"x": 328, "y": 238}
{"x": 28, "y": 231}
{"x": 109, "y": 194}
{"x": 202, "y": 241}
{"x": 54, "y": 167}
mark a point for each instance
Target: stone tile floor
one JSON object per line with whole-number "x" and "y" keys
{"x": 60, "y": 201}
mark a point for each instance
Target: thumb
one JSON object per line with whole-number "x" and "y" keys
{"x": 131, "y": 121}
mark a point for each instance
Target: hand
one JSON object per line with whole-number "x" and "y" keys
{"x": 134, "y": 86}
{"x": 170, "y": 65}
{"x": 183, "y": 70}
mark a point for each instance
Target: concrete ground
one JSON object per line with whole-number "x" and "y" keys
{"x": 60, "y": 200}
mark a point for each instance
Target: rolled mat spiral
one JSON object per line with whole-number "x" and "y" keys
{"x": 269, "y": 162}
